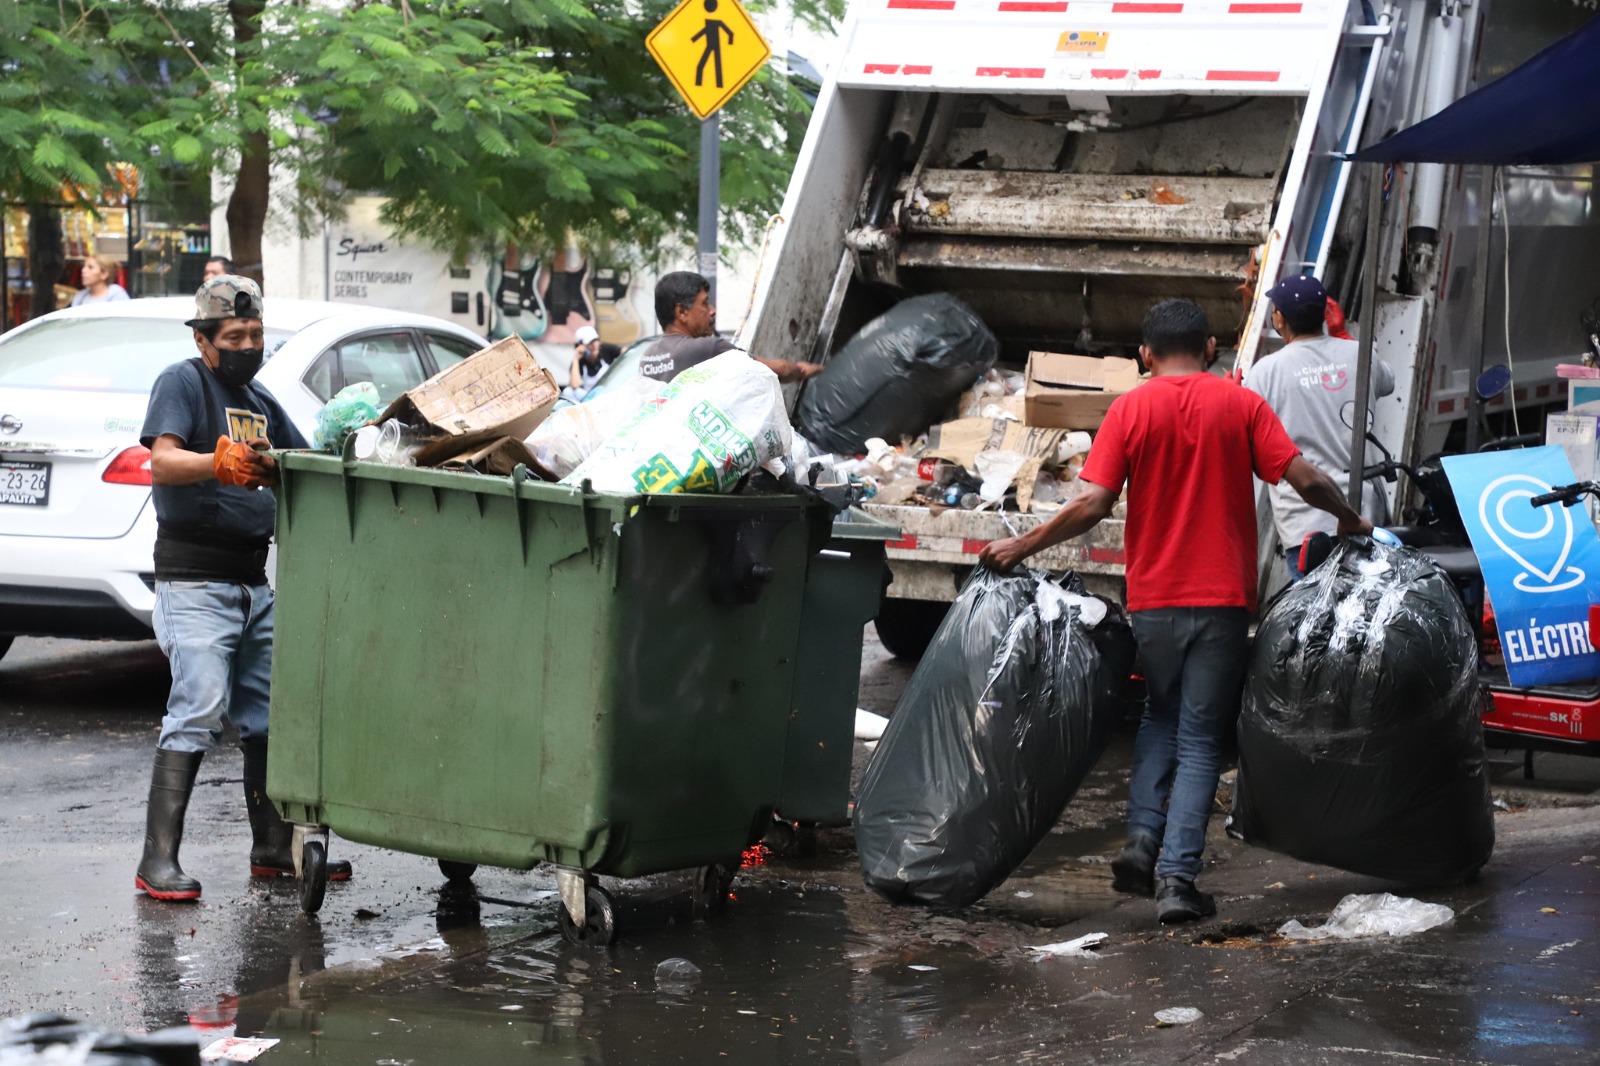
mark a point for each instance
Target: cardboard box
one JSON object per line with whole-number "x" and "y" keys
{"x": 1075, "y": 391}
{"x": 501, "y": 391}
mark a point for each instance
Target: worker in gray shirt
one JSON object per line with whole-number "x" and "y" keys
{"x": 1307, "y": 384}
{"x": 689, "y": 335}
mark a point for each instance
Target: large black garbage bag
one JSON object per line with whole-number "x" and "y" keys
{"x": 898, "y": 375}
{"x": 55, "y": 1038}
{"x": 1360, "y": 740}
{"x": 1005, "y": 716}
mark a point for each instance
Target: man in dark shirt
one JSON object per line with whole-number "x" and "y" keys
{"x": 207, "y": 426}
{"x": 688, "y": 324}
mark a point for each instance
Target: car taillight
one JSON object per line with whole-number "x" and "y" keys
{"x": 130, "y": 467}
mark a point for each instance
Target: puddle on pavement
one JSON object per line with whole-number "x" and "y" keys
{"x": 788, "y": 973}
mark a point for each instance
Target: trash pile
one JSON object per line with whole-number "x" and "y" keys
{"x": 1361, "y": 738}
{"x": 868, "y": 424}
{"x": 1017, "y": 441}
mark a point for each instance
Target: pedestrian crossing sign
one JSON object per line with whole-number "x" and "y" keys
{"x": 709, "y": 49}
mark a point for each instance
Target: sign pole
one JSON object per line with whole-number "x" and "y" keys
{"x": 710, "y": 197}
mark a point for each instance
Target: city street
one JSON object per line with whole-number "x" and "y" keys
{"x": 805, "y": 965}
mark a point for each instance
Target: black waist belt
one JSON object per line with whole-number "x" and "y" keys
{"x": 186, "y": 557}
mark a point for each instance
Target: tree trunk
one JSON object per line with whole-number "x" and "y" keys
{"x": 247, "y": 207}
{"x": 47, "y": 256}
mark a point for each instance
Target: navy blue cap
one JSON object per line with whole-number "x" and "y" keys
{"x": 1296, "y": 293}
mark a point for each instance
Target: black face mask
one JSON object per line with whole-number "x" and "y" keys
{"x": 236, "y": 366}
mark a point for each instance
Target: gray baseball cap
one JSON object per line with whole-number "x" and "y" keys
{"x": 227, "y": 296}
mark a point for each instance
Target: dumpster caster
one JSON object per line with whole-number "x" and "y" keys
{"x": 313, "y": 875}
{"x": 457, "y": 873}
{"x": 599, "y": 926}
{"x": 711, "y": 887}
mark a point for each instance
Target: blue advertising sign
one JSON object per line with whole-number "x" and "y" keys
{"x": 1541, "y": 564}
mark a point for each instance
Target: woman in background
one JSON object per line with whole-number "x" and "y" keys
{"x": 99, "y": 286}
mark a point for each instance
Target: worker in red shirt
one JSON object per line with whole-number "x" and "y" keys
{"x": 1186, "y": 443}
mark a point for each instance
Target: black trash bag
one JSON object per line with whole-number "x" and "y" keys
{"x": 1005, "y": 716}
{"x": 897, "y": 376}
{"x": 45, "y": 1037}
{"x": 1361, "y": 738}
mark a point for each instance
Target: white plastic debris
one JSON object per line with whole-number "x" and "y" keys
{"x": 869, "y": 726}
{"x": 677, "y": 975}
{"x": 236, "y": 1049}
{"x": 920, "y": 968}
{"x": 1380, "y": 914}
{"x": 1178, "y": 1016}
{"x": 1071, "y": 949}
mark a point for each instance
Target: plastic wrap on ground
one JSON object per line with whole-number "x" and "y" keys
{"x": 1361, "y": 741}
{"x": 1005, "y": 716}
{"x": 898, "y": 375}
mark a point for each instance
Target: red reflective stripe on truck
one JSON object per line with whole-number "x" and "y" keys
{"x": 1265, "y": 9}
{"x": 1113, "y": 73}
{"x": 1241, "y": 75}
{"x": 1114, "y": 556}
{"x": 1146, "y": 9}
{"x": 913, "y": 68}
{"x": 906, "y": 543}
{"x": 882, "y": 68}
{"x": 1032, "y": 5}
{"x": 1010, "y": 72}
{"x": 972, "y": 547}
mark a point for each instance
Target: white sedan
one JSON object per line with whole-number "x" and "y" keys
{"x": 77, "y": 528}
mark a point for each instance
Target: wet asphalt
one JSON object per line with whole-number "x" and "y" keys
{"x": 400, "y": 967}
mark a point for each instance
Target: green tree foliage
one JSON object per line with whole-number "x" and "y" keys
{"x": 480, "y": 120}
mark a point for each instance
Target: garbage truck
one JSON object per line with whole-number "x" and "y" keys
{"x": 1061, "y": 165}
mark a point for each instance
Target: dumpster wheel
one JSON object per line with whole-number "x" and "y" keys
{"x": 457, "y": 873}
{"x": 711, "y": 887}
{"x": 599, "y": 921}
{"x": 313, "y": 875}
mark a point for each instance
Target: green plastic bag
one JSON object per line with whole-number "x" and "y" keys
{"x": 351, "y": 408}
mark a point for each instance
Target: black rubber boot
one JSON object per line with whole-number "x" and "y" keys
{"x": 1134, "y": 869}
{"x": 1177, "y": 900}
{"x": 272, "y": 838}
{"x": 171, "y": 782}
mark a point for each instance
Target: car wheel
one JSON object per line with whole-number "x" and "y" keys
{"x": 906, "y": 627}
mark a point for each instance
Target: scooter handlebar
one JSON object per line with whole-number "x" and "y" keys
{"x": 1566, "y": 494}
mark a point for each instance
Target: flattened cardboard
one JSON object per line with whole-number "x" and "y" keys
{"x": 961, "y": 441}
{"x": 501, "y": 391}
{"x": 500, "y": 457}
{"x": 1075, "y": 391}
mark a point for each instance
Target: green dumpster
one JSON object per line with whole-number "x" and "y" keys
{"x": 505, "y": 672}
{"x": 843, "y": 591}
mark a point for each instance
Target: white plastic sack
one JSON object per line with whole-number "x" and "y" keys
{"x": 715, "y": 423}
{"x": 1380, "y": 914}
{"x": 572, "y": 434}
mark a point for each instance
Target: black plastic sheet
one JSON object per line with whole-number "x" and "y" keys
{"x": 1005, "y": 716}
{"x": 1361, "y": 739}
{"x": 897, "y": 376}
{"x": 55, "y": 1038}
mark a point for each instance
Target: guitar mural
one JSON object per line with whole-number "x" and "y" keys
{"x": 514, "y": 294}
{"x": 567, "y": 296}
{"x": 616, "y": 317}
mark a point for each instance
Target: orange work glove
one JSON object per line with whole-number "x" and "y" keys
{"x": 236, "y": 463}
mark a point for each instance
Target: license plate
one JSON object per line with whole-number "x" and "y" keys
{"x": 27, "y": 484}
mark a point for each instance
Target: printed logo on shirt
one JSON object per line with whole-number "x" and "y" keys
{"x": 245, "y": 425}
{"x": 1329, "y": 376}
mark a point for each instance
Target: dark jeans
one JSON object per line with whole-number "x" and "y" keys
{"x": 1194, "y": 661}
{"x": 1291, "y": 557}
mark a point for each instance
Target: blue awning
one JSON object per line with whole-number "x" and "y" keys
{"x": 1545, "y": 112}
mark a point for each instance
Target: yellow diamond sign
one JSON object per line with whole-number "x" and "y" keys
{"x": 709, "y": 48}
